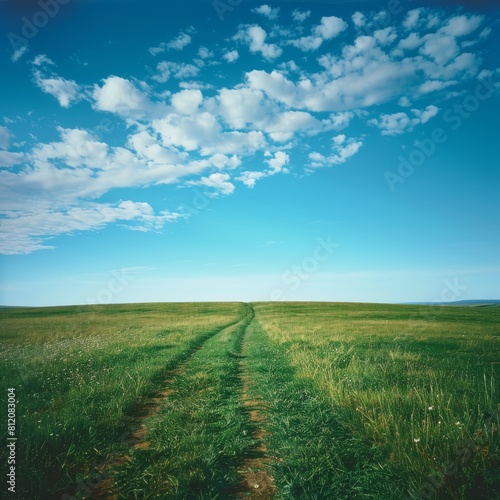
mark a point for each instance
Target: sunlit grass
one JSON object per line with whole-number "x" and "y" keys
{"x": 424, "y": 392}
{"x": 360, "y": 400}
{"x": 77, "y": 372}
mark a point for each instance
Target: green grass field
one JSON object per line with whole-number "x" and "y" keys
{"x": 268, "y": 400}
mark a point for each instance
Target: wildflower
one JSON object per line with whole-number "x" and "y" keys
{"x": 458, "y": 423}
{"x": 417, "y": 440}
{"x": 430, "y": 408}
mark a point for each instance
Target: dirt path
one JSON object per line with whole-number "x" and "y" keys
{"x": 138, "y": 423}
{"x": 256, "y": 480}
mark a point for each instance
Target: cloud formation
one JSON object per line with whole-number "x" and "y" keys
{"x": 189, "y": 125}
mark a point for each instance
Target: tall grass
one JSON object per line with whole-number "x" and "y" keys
{"x": 78, "y": 371}
{"x": 360, "y": 400}
{"x": 424, "y": 392}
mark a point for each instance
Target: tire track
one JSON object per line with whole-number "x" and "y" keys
{"x": 256, "y": 478}
{"x": 146, "y": 409}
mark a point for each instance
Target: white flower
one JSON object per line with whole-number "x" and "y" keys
{"x": 417, "y": 440}
{"x": 430, "y": 408}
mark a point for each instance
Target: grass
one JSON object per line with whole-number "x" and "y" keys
{"x": 360, "y": 400}
{"x": 420, "y": 391}
{"x": 199, "y": 438}
{"x": 78, "y": 372}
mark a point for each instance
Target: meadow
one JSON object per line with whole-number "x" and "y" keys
{"x": 268, "y": 400}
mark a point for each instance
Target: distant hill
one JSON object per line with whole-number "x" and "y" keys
{"x": 472, "y": 303}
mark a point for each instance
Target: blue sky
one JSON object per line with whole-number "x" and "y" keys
{"x": 338, "y": 151}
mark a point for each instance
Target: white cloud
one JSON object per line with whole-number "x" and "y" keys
{"x": 187, "y": 102}
{"x": 385, "y": 36}
{"x": 5, "y": 136}
{"x": 256, "y": 37}
{"x": 166, "y": 69}
{"x": 77, "y": 148}
{"x": 367, "y": 73}
{"x": 178, "y": 43}
{"x": 220, "y": 182}
{"x": 278, "y": 162}
{"x": 267, "y": 11}
{"x": 154, "y": 51}
{"x": 411, "y": 42}
{"x": 342, "y": 150}
{"x": 222, "y": 161}
{"x": 395, "y": 123}
{"x": 19, "y": 53}
{"x": 411, "y": 19}
{"x": 299, "y": 16}
{"x": 67, "y": 92}
{"x": 202, "y": 137}
{"x": 338, "y": 140}
{"x": 145, "y": 144}
{"x": 422, "y": 18}
{"x": 231, "y": 56}
{"x": 442, "y": 48}
{"x": 120, "y": 96}
{"x": 203, "y": 133}
{"x": 433, "y": 86}
{"x": 308, "y": 43}
{"x": 329, "y": 28}
{"x": 25, "y": 231}
{"x": 51, "y": 195}
{"x": 399, "y": 123}
{"x": 374, "y": 82}
{"x": 287, "y": 124}
{"x": 241, "y": 108}
{"x": 250, "y": 178}
{"x": 341, "y": 120}
{"x": 359, "y": 19}
{"x": 8, "y": 159}
{"x": 191, "y": 85}
{"x": 426, "y": 114}
{"x": 404, "y": 102}
{"x": 42, "y": 59}
{"x": 462, "y": 25}
{"x": 205, "y": 53}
